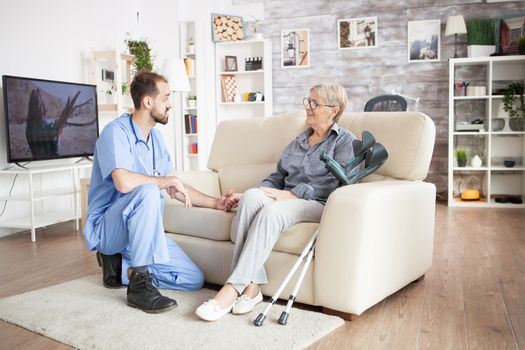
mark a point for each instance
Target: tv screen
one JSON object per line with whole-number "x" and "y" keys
{"x": 48, "y": 119}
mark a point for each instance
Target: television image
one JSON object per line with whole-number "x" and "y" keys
{"x": 48, "y": 119}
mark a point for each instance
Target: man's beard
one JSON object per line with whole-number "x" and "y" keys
{"x": 160, "y": 118}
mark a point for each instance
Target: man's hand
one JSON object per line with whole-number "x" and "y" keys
{"x": 178, "y": 187}
{"x": 277, "y": 195}
{"x": 229, "y": 201}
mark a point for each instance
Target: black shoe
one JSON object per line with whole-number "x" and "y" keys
{"x": 143, "y": 295}
{"x": 111, "y": 270}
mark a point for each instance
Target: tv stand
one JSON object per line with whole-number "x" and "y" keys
{"x": 45, "y": 218}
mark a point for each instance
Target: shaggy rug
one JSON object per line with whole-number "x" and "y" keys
{"x": 85, "y": 315}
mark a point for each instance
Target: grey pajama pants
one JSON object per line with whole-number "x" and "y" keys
{"x": 257, "y": 226}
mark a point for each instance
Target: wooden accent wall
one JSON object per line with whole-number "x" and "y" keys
{"x": 375, "y": 71}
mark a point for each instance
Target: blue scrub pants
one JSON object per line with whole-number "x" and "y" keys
{"x": 133, "y": 226}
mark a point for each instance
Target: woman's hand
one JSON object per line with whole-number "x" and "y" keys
{"x": 229, "y": 201}
{"x": 178, "y": 187}
{"x": 277, "y": 195}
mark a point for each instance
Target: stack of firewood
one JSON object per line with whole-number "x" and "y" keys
{"x": 227, "y": 28}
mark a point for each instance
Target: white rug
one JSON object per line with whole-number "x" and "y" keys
{"x": 84, "y": 314}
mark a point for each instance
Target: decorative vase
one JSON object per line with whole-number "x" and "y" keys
{"x": 258, "y": 36}
{"x": 516, "y": 124}
{"x": 192, "y": 103}
{"x": 476, "y": 162}
{"x": 497, "y": 124}
{"x": 480, "y": 50}
{"x": 462, "y": 163}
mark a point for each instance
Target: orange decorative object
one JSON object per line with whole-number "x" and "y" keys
{"x": 470, "y": 195}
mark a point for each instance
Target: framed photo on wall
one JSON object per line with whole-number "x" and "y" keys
{"x": 295, "y": 48}
{"x": 226, "y": 28}
{"x": 357, "y": 33}
{"x": 230, "y": 63}
{"x": 424, "y": 38}
{"x": 509, "y": 29}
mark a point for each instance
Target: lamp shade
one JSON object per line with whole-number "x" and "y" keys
{"x": 175, "y": 71}
{"x": 455, "y": 25}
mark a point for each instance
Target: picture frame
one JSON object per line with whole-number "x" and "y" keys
{"x": 509, "y": 29}
{"x": 356, "y": 33}
{"x": 229, "y": 87}
{"x": 424, "y": 41}
{"x": 230, "y": 64}
{"x": 226, "y": 28}
{"x": 295, "y": 48}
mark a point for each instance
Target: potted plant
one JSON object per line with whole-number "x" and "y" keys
{"x": 461, "y": 156}
{"x": 192, "y": 101}
{"x": 142, "y": 52}
{"x": 513, "y": 104}
{"x": 521, "y": 45}
{"x": 481, "y": 38}
{"x": 257, "y": 28}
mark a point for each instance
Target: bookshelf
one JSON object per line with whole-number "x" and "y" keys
{"x": 253, "y": 73}
{"x": 192, "y": 139}
{"x": 495, "y": 141}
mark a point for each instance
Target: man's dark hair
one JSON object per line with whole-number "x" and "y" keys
{"x": 145, "y": 84}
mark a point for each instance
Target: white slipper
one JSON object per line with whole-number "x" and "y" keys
{"x": 211, "y": 310}
{"x": 246, "y": 304}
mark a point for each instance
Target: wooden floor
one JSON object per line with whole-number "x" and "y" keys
{"x": 472, "y": 298}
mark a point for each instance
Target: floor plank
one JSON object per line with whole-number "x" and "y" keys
{"x": 473, "y": 297}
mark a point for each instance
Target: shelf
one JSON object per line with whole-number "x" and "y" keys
{"x": 40, "y": 220}
{"x": 470, "y": 97}
{"x": 47, "y": 168}
{"x": 190, "y": 108}
{"x": 243, "y": 103}
{"x": 192, "y": 154}
{"x": 40, "y": 195}
{"x": 192, "y": 135}
{"x": 503, "y": 168}
{"x": 470, "y": 133}
{"x": 468, "y": 168}
{"x": 259, "y": 71}
{"x": 508, "y": 133}
{"x": 238, "y": 42}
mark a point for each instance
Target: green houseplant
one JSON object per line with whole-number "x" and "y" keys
{"x": 521, "y": 45}
{"x": 513, "y": 104}
{"x": 142, "y": 52}
{"x": 461, "y": 156}
{"x": 481, "y": 38}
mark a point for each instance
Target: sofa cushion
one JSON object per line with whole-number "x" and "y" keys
{"x": 199, "y": 222}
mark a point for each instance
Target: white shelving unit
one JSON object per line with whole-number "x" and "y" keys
{"x": 120, "y": 64}
{"x": 36, "y": 220}
{"x": 492, "y": 145}
{"x": 246, "y": 81}
{"x": 191, "y": 142}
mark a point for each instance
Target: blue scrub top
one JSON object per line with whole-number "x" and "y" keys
{"x": 121, "y": 145}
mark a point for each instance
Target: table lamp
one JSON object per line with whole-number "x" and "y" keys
{"x": 455, "y": 26}
{"x": 175, "y": 71}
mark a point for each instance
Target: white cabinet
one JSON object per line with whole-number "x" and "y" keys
{"x": 110, "y": 88}
{"x": 478, "y": 124}
{"x": 40, "y": 218}
{"x": 242, "y": 80}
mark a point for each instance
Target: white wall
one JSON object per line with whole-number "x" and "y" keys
{"x": 53, "y": 40}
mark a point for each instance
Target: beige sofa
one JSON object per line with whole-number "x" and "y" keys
{"x": 374, "y": 237}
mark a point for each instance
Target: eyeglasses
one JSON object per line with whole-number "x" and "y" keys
{"x": 313, "y": 105}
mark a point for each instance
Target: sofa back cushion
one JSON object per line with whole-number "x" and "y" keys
{"x": 245, "y": 151}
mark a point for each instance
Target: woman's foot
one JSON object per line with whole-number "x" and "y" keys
{"x": 251, "y": 296}
{"x": 223, "y": 302}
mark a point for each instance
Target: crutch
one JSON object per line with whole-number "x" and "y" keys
{"x": 373, "y": 160}
{"x": 306, "y": 251}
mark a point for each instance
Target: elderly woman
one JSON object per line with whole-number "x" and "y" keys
{"x": 295, "y": 192}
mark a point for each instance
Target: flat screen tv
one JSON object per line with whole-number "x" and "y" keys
{"x": 48, "y": 119}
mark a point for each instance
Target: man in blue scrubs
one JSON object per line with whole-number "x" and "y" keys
{"x": 124, "y": 223}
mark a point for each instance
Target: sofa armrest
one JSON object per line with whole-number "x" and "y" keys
{"x": 204, "y": 181}
{"x": 374, "y": 238}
